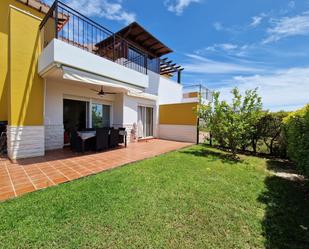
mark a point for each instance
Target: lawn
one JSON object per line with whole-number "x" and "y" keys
{"x": 193, "y": 198}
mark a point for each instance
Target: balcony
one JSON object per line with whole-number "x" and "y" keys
{"x": 69, "y": 36}
{"x": 197, "y": 93}
{"x": 71, "y": 40}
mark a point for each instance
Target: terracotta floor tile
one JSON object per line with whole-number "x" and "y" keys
{"x": 24, "y": 190}
{"x": 6, "y": 195}
{"x": 60, "y": 166}
{"x": 43, "y": 184}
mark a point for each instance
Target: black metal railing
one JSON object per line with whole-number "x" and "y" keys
{"x": 66, "y": 24}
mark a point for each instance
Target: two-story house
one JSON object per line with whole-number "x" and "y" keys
{"x": 63, "y": 71}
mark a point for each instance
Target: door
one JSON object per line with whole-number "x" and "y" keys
{"x": 75, "y": 114}
{"x": 145, "y": 122}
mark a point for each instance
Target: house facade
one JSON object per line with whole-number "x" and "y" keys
{"x": 62, "y": 71}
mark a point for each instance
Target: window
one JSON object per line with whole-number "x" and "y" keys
{"x": 100, "y": 115}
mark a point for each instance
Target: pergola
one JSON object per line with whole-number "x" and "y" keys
{"x": 141, "y": 39}
{"x": 167, "y": 67}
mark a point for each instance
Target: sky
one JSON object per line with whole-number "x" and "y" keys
{"x": 223, "y": 43}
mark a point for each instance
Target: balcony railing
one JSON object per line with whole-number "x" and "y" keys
{"x": 198, "y": 91}
{"x": 66, "y": 24}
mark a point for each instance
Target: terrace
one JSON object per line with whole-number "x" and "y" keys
{"x": 132, "y": 47}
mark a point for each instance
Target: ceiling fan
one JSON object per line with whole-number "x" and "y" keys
{"x": 101, "y": 92}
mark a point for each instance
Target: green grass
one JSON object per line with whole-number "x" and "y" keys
{"x": 192, "y": 198}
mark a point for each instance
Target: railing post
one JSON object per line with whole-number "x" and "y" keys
{"x": 179, "y": 76}
{"x": 114, "y": 40}
{"x": 56, "y": 19}
{"x": 146, "y": 62}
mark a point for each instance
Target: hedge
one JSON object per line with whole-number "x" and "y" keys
{"x": 296, "y": 127}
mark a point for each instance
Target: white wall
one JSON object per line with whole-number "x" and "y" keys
{"x": 59, "y": 52}
{"x": 118, "y": 109}
{"x": 184, "y": 133}
{"x": 168, "y": 91}
{"x": 131, "y": 111}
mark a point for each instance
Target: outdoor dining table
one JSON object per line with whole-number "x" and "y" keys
{"x": 84, "y": 135}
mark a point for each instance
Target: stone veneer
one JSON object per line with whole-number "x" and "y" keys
{"x": 54, "y": 137}
{"x": 25, "y": 141}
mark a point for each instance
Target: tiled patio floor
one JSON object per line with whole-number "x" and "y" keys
{"x": 60, "y": 166}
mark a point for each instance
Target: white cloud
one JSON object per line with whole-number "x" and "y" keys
{"x": 288, "y": 26}
{"x": 283, "y": 90}
{"x": 225, "y": 48}
{"x": 102, "y": 8}
{"x": 221, "y": 46}
{"x": 178, "y": 6}
{"x": 257, "y": 20}
{"x": 202, "y": 65}
{"x": 218, "y": 26}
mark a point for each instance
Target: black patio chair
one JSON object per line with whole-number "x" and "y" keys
{"x": 114, "y": 138}
{"x": 122, "y": 137}
{"x": 75, "y": 142}
{"x": 101, "y": 139}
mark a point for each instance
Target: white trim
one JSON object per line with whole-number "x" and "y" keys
{"x": 25, "y": 12}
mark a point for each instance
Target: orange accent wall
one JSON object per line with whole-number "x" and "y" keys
{"x": 178, "y": 114}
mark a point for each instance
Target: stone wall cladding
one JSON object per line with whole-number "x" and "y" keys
{"x": 54, "y": 137}
{"x": 25, "y": 141}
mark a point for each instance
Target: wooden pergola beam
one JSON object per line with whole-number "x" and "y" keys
{"x": 168, "y": 66}
{"x": 169, "y": 71}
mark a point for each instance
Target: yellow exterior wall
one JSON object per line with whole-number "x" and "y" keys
{"x": 178, "y": 114}
{"x": 21, "y": 89}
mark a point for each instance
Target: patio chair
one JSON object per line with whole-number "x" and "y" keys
{"x": 101, "y": 138}
{"x": 114, "y": 138}
{"x": 75, "y": 142}
{"x": 122, "y": 136}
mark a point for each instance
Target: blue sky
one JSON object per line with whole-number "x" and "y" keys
{"x": 224, "y": 43}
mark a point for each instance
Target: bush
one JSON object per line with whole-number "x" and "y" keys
{"x": 296, "y": 127}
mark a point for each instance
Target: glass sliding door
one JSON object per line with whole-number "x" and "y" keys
{"x": 75, "y": 114}
{"x": 100, "y": 115}
{"x": 149, "y": 122}
{"x": 145, "y": 121}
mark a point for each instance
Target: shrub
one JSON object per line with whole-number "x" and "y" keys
{"x": 296, "y": 126}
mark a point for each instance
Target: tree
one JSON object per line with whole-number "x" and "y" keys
{"x": 251, "y": 112}
{"x": 232, "y": 124}
{"x": 271, "y": 128}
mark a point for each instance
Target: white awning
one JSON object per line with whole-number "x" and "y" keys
{"x": 82, "y": 76}
{"x": 143, "y": 95}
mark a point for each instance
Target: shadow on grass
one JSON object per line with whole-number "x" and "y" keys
{"x": 286, "y": 221}
{"x": 281, "y": 165}
{"x": 213, "y": 154}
